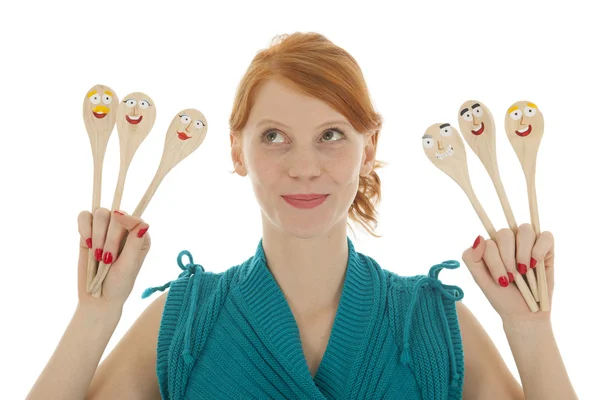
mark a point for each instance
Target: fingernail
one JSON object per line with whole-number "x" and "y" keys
{"x": 511, "y": 277}
{"x": 107, "y": 257}
{"x": 142, "y": 232}
{"x": 477, "y": 241}
{"x": 532, "y": 262}
{"x": 98, "y": 254}
{"x": 522, "y": 268}
{"x": 119, "y": 212}
{"x": 503, "y": 281}
{"x": 89, "y": 243}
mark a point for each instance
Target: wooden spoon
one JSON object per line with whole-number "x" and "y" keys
{"x": 136, "y": 115}
{"x": 99, "y": 116}
{"x": 477, "y": 127}
{"x": 184, "y": 135}
{"x": 445, "y": 149}
{"x": 524, "y": 124}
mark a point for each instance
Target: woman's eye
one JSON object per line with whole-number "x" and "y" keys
{"x": 329, "y": 134}
{"x": 270, "y": 136}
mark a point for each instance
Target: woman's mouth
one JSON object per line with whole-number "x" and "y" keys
{"x": 305, "y": 200}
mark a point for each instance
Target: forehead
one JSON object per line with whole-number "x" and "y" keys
{"x": 283, "y": 101}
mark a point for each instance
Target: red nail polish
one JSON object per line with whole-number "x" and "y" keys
{"x": 119, "y": 212}
{"x": 107, "y": 257}
{"x": 142, "y": 232}
{"x": 522, "y": 268}
{"x": 503, "y": 281}
{"x": 532, "y": 262}
{"x": 511, "y": 277}
{"x": 98, "y": 254}
{"x": 477, "y": 241}
{"x": 89, "y": 242}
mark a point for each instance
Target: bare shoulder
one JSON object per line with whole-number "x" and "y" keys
{"x": 129, "y": 371}
{"x": 486, "y": 373}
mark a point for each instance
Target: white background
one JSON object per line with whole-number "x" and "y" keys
{"x": 421, "y": 60}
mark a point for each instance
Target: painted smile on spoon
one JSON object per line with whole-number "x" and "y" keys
{"x": 524, "y": 132}
{"x": 132, "y": 119}
{"x": 479, "y": 130}
{"x": 449, "y": 151}
{"x": 183, "y": 136}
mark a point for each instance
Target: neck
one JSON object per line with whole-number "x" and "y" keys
{"x": 310, "y": 272}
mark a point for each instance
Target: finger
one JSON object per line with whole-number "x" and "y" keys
{"x": 473, "y": 259}
{"x": 525, "y": 240}
{"x": 543, "y": 249}
{"x": 505, "y": 239}
{"x": 114, "y": 237}
{"x": 494, "y": 263}
{"x": 84, "y": 226}
{"x": 100, "y": 226}
{"x": 135, "y": 249}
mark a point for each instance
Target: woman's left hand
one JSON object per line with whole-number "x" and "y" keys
{"x": 494, "y": 263}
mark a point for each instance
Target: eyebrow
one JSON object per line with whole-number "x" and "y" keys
{"x": 108, "y": 92}
{"x": 442, "y": 126}
{"x": 272, "y": 121}
{"x": 427, "y": 136}
{"x": 513, "y": 108}
{"x": 476, "y": 105}
{"x": 464, "y": 110}
{"x": 91, "y": 93}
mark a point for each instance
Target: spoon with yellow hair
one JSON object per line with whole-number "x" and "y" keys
{"x": 524, "y": 125}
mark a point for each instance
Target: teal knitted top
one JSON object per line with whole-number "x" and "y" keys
{"x": 232, "y": 335}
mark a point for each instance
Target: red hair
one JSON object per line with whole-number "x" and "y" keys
{"x": 325, "y": 71}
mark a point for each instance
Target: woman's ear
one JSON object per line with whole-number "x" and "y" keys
{"x": 237, "y": 156}
{"x": 368, "y": 158}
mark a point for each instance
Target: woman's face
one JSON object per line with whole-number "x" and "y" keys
{"x": 294, "y": 144}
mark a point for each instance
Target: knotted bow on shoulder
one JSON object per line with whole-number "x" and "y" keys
{"x": 189, "y": 270}
{"x": 449, "y": 291}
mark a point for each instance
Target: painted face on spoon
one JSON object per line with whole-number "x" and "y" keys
{"x": 445, "y": 149}
{"x": 136, "y": 113}
{"x": 99, "y": 113}
{"x": 474, "y": 118}
{"x": 524, "y": 120}
{"x": 186, "y": 131}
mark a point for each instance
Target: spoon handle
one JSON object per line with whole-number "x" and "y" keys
{"x": 499, "y": 186}
{"x": 542, "y": 282}
{"x": 141, "y": 207}
{"x": 96, "y": 196}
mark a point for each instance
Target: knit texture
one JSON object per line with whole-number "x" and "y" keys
{"x": 232, "y": 335}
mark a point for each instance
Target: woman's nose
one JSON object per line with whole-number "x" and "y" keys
{"x": 304, "y": 164}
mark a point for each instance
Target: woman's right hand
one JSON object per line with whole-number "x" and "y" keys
{"x": 108, "y": 232}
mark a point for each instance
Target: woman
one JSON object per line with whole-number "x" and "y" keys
{"x": 306, "y": 316}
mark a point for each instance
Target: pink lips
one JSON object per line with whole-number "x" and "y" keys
{"x": 305, "y": 200}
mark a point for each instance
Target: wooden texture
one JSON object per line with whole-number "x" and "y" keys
{"x": 136, "y": 115}
{"x": 524, "y": 125}
{"x": 444, "y": 147}
{"x": 478, "y": 128}
{"x": 185, "y": 134}
{"x": 99, "y": 116}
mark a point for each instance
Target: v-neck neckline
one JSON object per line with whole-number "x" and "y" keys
{"x": 347, "y": 337}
